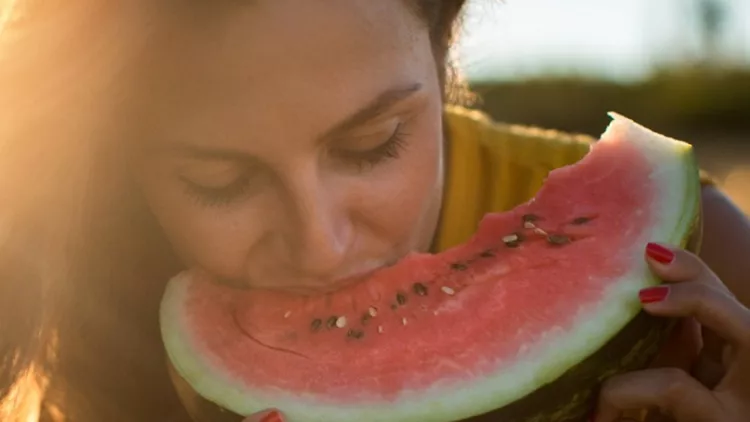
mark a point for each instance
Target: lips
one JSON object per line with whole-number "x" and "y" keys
{"x": 354, "y": 277}
{"x": 335, "y": 283}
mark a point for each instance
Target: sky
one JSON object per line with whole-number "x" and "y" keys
{"x": 616, "y": 39}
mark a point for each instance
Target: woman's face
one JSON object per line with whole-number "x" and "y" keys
{"x": 293, "y": 144}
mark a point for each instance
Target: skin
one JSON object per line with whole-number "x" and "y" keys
{"x": 310, "y": 206}
{"x": 725, "y": 242}
{"x": 314, "y": 204}
{"x": 692, "y": 290}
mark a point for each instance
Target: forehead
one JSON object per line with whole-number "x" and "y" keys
{"x": 266, "y": 63}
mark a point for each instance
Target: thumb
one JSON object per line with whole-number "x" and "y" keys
{"x": 270, "y": 415}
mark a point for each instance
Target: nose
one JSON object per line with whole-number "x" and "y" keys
{"x": 322, "y": 230}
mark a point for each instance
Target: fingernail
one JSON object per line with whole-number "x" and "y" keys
{"x": 659, "y": 253}
{"x": 274, "y": 416}
{"x": 653, "y": 294}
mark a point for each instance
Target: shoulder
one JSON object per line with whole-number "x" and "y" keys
{"x": 725, "y": 240}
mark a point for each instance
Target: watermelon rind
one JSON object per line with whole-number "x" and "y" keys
{"x": 677, "y": 207}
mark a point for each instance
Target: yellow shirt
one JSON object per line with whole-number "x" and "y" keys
{"x": 493, "y": 166}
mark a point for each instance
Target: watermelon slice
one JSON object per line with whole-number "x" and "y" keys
{"x": 524, "y": 320}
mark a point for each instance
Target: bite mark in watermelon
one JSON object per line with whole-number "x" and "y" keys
{"x": 524, "y": 320}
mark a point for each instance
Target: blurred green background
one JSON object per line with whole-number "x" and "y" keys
{"x": 681, "y": 67}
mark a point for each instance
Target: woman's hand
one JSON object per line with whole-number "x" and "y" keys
{"x": 692, "y": 290}
{"x": 270, "y": 415}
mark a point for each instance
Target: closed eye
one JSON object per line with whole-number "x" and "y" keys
{"x": 387, "y": 150}
{"x": 221, "y": 195}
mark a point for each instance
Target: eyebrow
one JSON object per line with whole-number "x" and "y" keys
{"x": 376, "y": 107}
{"x": 373, "y": 109}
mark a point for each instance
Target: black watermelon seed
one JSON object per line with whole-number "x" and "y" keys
{"x": 401, "y": 299}
{"x": 513, "y": 244}
{"x": 420, "y": 289}
{"x": 487, "y": 254}
{"x": 365, "y": 318}
{"x": 530, "y": 218}
{"x": 581, "y": 220}
{"x": 315, "y": 325}
{"x": 459, "y": 266}
{"x": 331, "y": 322}
{"x": 355, "y": 334}
{"x": 557, "y": 239}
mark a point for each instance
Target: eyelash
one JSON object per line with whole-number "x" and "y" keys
{"x": 388, "y": 150}
{"x": 217, "y": 196}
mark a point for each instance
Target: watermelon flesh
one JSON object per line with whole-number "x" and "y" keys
{"x": 442, "y": 337}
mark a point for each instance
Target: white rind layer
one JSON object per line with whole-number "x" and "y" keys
{"x": 675, "y": 174}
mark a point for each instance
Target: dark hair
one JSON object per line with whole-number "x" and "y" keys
{"x": 442, "y": 17}
{"x": 64, "y": 254}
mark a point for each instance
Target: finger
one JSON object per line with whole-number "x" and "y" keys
{"x": 682, "y": 348}
{"x": 711, "y": 306}
{"x": 711, "y": 365}
{"x": 670, "y": 390}
{"x": 674, "y": 265}
{"x": 713, "y": 344}
{"x": 708, "y": 371}
{"x": 271, "y": 415}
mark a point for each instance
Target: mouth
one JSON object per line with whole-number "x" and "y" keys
{"x": 353, "y": 278}
{"x": 359, "y": 275}
{"x": 317, "y": 286}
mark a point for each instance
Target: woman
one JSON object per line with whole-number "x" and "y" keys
{"x": 286, "y": 144}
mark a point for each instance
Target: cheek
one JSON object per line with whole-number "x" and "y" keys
{"x": 402, "y": 201}
{"x": 215, "y": 238}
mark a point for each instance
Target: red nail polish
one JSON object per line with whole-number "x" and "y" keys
{"x": 659, "y": 253}
{"x": 653, "y": 294}
{"x": 272, "y": 417}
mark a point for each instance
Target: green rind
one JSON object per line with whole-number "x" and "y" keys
{"x": 198, "y": 407}
{"x": 569, "y": 398}
{"x": 612, "y": 323}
